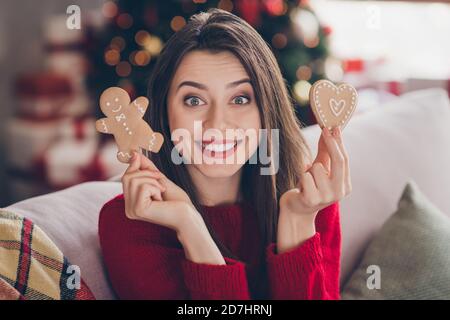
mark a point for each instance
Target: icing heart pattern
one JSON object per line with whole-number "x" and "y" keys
{"x": 332, "y": 105}
{"x": 337, "y": 107}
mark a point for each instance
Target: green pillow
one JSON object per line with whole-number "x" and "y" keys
{"x": 410, "y": 254}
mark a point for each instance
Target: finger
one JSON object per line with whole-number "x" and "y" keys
{"x": 322, "y": 181}
{"x": 147, "y": 193}
{"x": 135, "y": 163}
{"x": 141, "y": 173}
{"x": 148, "y": 180}
{"x": 307, "y": 185}
{"x": 322, "y": 153}
{"x": 338, "y": 136}
{"x": 146, "y": 163}
{"x": 337, "y": 159}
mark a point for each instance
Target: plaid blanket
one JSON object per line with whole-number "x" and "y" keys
{"x": 32, "y": 267}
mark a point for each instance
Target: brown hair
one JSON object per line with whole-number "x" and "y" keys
{"x": 218, "y": 30}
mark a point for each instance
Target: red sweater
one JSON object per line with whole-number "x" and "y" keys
{"x": 146, "y": 261}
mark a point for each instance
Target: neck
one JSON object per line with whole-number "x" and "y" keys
{"x": 217, "y": 191}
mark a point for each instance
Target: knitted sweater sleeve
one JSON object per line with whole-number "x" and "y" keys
{"x": 145, "y": 261}
{"x": 310, "y": 270}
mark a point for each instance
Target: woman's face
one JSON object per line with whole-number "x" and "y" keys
{"x": 211, "y": 98}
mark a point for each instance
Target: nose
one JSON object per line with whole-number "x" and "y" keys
{"x": 216, "y": 118}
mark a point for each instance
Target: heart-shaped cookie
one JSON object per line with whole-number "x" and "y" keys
{"x": 332, "y": 105}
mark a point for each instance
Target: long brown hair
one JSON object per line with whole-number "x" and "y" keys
{"x": 218, "y": 30}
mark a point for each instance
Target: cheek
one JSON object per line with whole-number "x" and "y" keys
{"x": 251, "y": 120}
{"x": 177, "y": 119}
{"x": 181, "y": 128}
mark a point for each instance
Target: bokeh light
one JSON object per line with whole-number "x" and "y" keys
{"x": 123, "y": 69}
{"x": 301, "y": 91}
{"x": 118, "y": 43}
{"x": 226, "y": 5}
{"x": 279, "y": 40}
{"x": 177, "y": 23}
{"x": 125, "y": 21}
{"x": 112, "y": 57}
{"x": 109, "y": 9}
{"x": 304, "y": 73}
{"x": 153, "y": 45}
{"x": 141, "y": 37}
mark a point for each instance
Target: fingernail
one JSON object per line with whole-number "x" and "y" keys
{"x": 326, "y": 132}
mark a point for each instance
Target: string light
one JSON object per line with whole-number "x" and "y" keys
{"x": 118, "y": 43}
{"x": 177, "y": 23}
{"x": 311, "y": 42}
{"x": 142, "y": 58}
{"x": 141, "y": 37}
{"x": 276, "y": 7}
{"x": 125, "y": 21}
{"x": 301, "y": 91}
{"x": 123, "y": 69}
{"x": 109, "y": 9}
{"x": 112, "y": 57}
{"x": 279, "y": 40}
{"x": 306, "y": 26}
{"x": 226, "y": 5}
{"x": 153, "y": 45}
{"x": 304, "y": 73}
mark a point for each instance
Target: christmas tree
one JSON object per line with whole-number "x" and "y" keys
{"x": 124, "y": 53}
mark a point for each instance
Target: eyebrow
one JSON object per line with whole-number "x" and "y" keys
{"x": 204, "y": 87}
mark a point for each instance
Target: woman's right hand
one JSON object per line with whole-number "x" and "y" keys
{"x": 150, "y": 196}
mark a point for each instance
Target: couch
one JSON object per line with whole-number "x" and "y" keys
{"x": 405, "y": 139}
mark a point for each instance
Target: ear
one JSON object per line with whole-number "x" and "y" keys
{"x": 140, "y": 104}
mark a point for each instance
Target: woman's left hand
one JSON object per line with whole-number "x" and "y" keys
{"x": 323, "y": 182}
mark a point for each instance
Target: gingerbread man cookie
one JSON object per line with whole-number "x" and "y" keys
{"x": 332, "y": 105}
{"x": 124, "y": 121}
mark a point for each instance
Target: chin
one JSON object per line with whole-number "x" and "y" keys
{"x": 218, "y": 170}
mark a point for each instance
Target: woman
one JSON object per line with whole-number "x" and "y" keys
{"x": 216, "y": 230}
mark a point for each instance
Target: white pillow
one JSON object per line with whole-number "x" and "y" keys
{"x": 406, "y": 138}
{"x": 70, "y": 218}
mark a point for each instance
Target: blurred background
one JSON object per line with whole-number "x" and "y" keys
{"x": 57, "y": 57}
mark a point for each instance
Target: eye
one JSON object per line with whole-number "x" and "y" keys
{"x": 194, "y": 101}
{"x": 242, "y": 99}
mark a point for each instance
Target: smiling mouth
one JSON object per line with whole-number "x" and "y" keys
{"x": 215, "y": 149}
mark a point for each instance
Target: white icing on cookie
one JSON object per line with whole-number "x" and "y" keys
{"x": 337, "y": 106}
{"x": 152, "y": 142}
{"x": 121, "y": 117}
{"x": 124, "y": 154}
{"x": 118, "y": 109}
{"x": 105, "y": 128}
{"x": 140, "y": 109}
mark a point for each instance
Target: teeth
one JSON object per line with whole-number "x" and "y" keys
{"x": 218, "y": 147}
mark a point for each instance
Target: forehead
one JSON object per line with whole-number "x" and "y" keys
{"x": 207, "y": 67}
